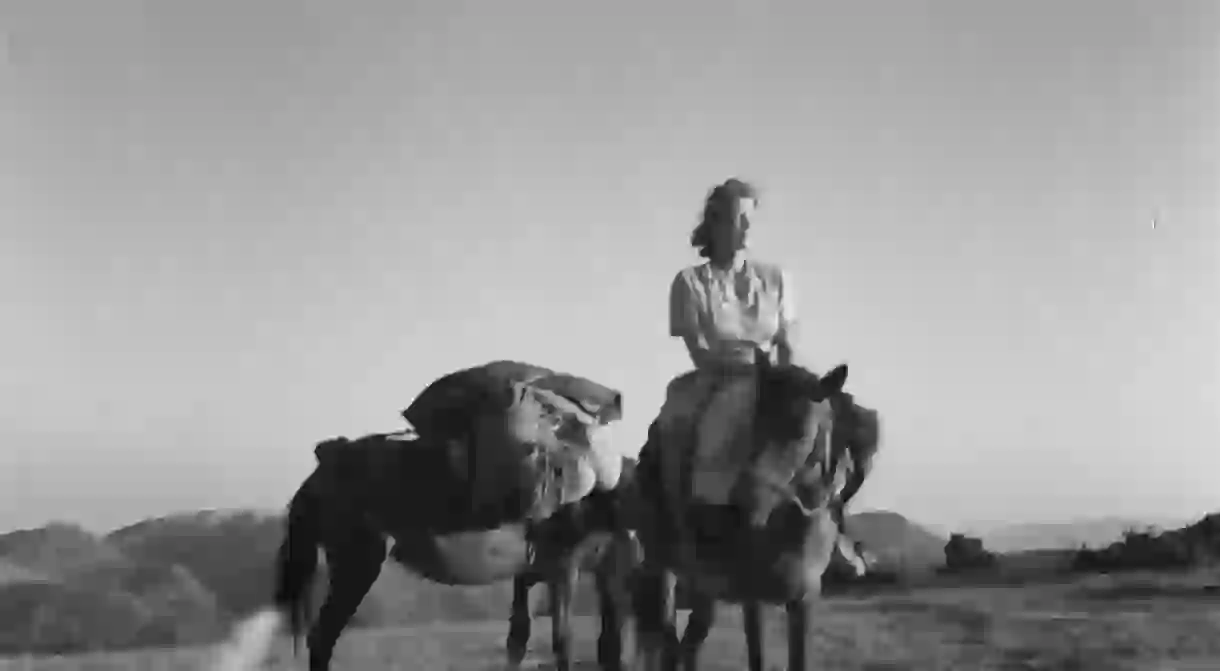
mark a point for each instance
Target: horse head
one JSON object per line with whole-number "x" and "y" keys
{"x": 810, "y": 425}
{"x": 795, "y": 406}
{"x": 792, "y": 460}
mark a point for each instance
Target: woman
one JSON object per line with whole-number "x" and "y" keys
{"x": 724, "y": 310}
{"x": 727, "y": 307}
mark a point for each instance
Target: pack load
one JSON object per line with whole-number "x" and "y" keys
{"x": 516, "y": 425}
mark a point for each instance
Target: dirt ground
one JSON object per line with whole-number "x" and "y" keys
{"x": 1136, "y": 623}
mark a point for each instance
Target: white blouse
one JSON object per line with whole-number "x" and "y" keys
{"x": 731, "y": 312}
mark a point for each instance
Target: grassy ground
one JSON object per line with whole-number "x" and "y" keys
{"x": 1144, "y": 623}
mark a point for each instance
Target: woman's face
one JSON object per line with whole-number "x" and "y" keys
{"x": 729, "y": 231}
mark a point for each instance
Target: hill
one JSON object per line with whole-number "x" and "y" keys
{"x": 65, "y": 589}
{"x": 180, "y": 579}
{"x": 57, "y": 549}
{"x": 11, "y": 573}
{"x": 184, "y": 577}
{"x": 233, "y": 554}
{"x": 898, "y": 543}
{"x": 229, "y": 553}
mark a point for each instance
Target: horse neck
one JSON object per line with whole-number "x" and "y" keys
{"x": 850, "y": 420}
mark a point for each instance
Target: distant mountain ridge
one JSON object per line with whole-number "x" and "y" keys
{"x": 1070, "y": 535}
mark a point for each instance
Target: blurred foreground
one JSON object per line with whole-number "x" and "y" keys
{"x": 1134, "y": 622}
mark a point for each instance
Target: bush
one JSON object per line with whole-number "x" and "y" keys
{"x": 966, "y": 553}
{"x": 1151, "y": 549}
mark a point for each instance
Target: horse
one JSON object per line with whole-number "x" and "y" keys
{"x": 771, "y": 546}
{"x": 594, "y": 547}
{"x": 396, "y": 487}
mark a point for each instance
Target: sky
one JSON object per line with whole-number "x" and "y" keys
{"x": 231, "y": 230}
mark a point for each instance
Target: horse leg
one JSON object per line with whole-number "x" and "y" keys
{"x": 656, "y": 643}
{"x": 353, "y": 567}
{"x": 698, "y": 626}
{"x": 752, "y": 621}
{"x": 613, "y": 602}
{"x": 646, "y": 607}
{"x": 798, "y": 631}
{"x": 520, "y": 620}
{"x": 669, "y": 611}
{"x": 562, "y": 589}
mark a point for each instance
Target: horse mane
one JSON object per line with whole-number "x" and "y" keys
{"x": 781, "y": 389}
{"x": 862, "y": 426}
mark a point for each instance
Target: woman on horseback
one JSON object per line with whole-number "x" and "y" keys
{"x": 725, "y": 310}
{"x": 729, "y": 306}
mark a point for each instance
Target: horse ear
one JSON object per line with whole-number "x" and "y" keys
{"x": 832, "y": 382}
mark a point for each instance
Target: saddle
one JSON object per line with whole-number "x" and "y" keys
{"x": 722, "y": 440}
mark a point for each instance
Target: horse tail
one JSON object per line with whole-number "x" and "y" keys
{"x": 297, "y": 561}
{"x": 249, "y": 645}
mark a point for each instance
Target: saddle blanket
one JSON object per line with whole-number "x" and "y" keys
{"x": 722, "y": 441}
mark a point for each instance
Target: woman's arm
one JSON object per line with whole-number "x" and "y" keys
{"x": 788, "y": 332}
{"x": 697, "y": 349}
{"x": 784, "y": 352}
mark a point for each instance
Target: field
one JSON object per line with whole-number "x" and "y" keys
{"x": 1134, "y": 622}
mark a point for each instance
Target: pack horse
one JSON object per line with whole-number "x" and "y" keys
{"x": 508, "y": 475}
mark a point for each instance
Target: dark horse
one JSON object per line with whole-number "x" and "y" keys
{"x": 772, "y": 545}
{"x": 387, "y": 487}
{"x": 583, "y": 539}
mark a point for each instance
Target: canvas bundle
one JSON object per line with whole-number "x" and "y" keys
{"x": 523, "y": 426}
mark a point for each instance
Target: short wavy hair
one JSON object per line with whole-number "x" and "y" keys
{"x": 714, "y": 206}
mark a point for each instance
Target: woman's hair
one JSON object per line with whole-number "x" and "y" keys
{"x": 719, "y": 199}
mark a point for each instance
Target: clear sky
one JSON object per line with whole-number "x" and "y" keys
{"x": 229, "y": 230}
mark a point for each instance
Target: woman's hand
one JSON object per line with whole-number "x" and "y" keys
{"x": 697, "y": 351}
{"x": 784, "y": 352}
